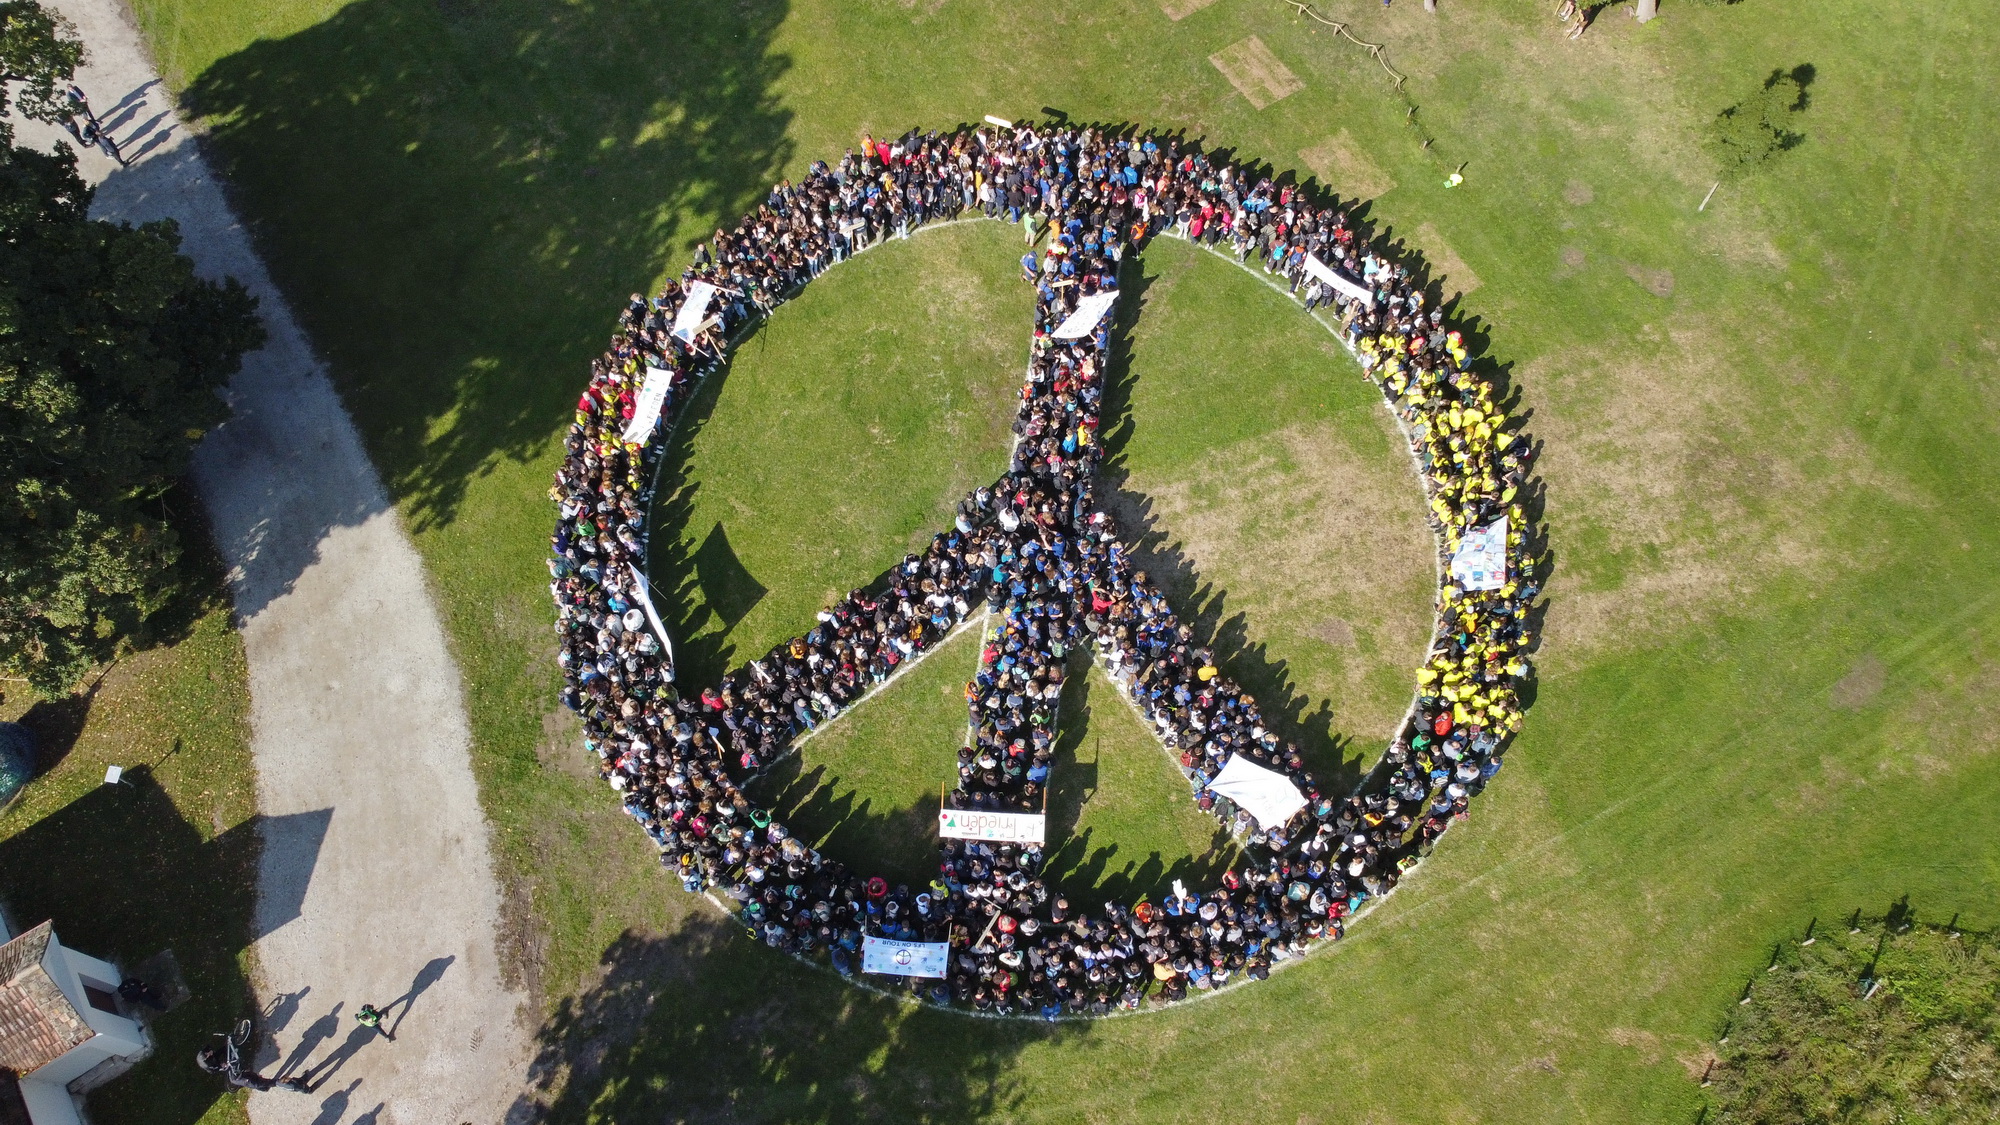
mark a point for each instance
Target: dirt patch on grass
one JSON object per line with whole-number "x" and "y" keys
{"x": 1573, "y": 261}
{"x": 1660, "y": 282}
{"x": 1178, "y": 10}
{"x": 1297, "y": 528}
{"x": 1341, "y": 165}
{"x": 1256, "y": 72}
{"x": 1742, "y": 241}
{"x": 1859, "y": 687}
{"x": 1697, "y": 1062}
{"x": 1446, "y": 267}
{"x": 1950, "y": 722}
{"x": 1638, "y": 1039}
{"x": 1335, "y": 632}
{"x": 561, "y": 746}
{"x": 1576, "y": 193}
{"x": 1674, "y": 509}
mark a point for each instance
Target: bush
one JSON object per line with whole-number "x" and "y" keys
{"x": 1760, "y": 126}
{"x": 1814, "y": 1046}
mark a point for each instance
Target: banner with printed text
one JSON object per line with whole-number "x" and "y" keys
{"x": 1088, "y": 312}
{"x": 1480, "y": 563}
{"x": 640, "y": 588}
{"x": 985, "y": 824}
{"x": 905, "y": 958}
{"x": 694, "y": 310}
{"x": 646, "y": 407}
{"x": 1340, "y": 284}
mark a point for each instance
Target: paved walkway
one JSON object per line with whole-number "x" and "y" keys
{"x": 377, "y": 880}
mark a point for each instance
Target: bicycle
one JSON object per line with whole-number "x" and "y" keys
{"x": 227, "y": 1061}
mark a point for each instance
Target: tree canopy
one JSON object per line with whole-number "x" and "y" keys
{"x": 112, "y": 352}
{"x": 39, "y": 52}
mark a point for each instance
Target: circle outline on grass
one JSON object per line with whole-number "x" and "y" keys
{"x": 1503, "y": 431}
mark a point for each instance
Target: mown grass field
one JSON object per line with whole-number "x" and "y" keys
{"x": 1768, "y": 686}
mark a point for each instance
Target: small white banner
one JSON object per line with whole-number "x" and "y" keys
{"x": 905, "y": 958}
{"x": 1480, "y": 563}
{"x": 1000, "y": 121}
{"x": 694, "y": 310}
{"x": 646, "y": 408}
{"x": 653, "y": 615}
{"x": 1265, "y": 794}
{"x": 1340, "y": 284}
{"x": 982, "y": 824}
{"x": 1088, "y": 312}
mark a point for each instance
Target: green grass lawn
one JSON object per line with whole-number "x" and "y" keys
{"x": 1767, "y": 689}
{"x": 167, "y": 861}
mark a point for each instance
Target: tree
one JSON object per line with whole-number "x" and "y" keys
{"x": 111, "y": 354}
{"x": 1759, "y": 127}
{"x": 39, "y": 52}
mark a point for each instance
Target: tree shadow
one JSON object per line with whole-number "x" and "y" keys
{"x": 506, "y": 171}
{"x": 57, "y": 724}
{"x": 703, "y": 1025}
{"x": 123, "y": 875}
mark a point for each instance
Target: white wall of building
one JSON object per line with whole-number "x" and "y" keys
{"x": 49, "y": 1103}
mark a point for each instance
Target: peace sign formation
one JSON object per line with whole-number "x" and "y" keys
{"x": 1042, "y": 570}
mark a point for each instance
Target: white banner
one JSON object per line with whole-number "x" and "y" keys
{"x": 694, "y": 310}
{"x": 1340, "y": 284}
{"x": 647, "y": 406}
{"x": 1088, "y": 312}
{"x": 1265, "y": 794}
{"x": 905, "y": 958}
{"x": 1480, "y": 563}
{"x": 982, "y": 824}
{"x": 653, "y": 615}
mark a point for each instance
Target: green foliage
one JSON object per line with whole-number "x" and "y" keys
{"x": 1814, "y": 1046}
{"x": 111, "y": 353}
{"x": 39, "y": 50}
{"x": 1760, "y": 126}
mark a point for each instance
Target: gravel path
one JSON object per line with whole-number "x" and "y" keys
{"x": 377, "y": 880}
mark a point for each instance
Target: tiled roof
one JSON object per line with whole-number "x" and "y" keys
{"x": 37, "y": 1022}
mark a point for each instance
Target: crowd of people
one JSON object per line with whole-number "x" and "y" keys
{"x": 1045, "y": 570}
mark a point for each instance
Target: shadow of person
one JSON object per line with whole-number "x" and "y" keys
{"x": 426, "y": 976}
{"x": 316, "y": 1076}
{"x": 335, "y": 1106}
{"x": 278, "y": 1014}
{"x": 319, "y": 1031}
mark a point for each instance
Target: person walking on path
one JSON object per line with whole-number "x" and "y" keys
{"x": 92, "y": 132}
{"x": 369, "y": 1017}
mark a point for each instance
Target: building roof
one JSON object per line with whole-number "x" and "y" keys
{"x": 38, "y": 1024}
